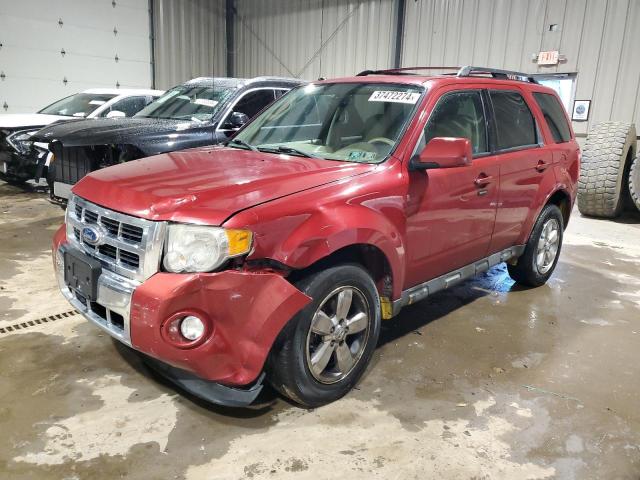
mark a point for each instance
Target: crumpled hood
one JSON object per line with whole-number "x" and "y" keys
{"x": 207, "y": 185}
{"x": 17, "y": 120}
{"x": 108, "y": 131}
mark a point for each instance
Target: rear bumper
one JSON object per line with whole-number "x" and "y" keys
{"x": 245, "y": 312}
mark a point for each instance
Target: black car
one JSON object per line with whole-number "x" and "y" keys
{"x": 202, "y": 111}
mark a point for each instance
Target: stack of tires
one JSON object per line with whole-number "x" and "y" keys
{"x": 610, "y": 171}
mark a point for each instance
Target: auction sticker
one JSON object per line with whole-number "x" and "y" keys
{"x": 394, "y": 96}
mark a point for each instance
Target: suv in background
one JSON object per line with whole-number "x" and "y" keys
{"x": 21, "y": 159}
{"x": 279, "y": 255}
{"x": 202, "y": 111}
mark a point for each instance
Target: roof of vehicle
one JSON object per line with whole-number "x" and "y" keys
{"x": 450, "y": 75}
{"x": 239, "y": 82}
{"x": 123, "y": 91}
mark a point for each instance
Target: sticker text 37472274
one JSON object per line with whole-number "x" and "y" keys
{"x": 394, "y": 96}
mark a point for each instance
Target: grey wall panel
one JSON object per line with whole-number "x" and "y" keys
{"x": 313, "y": 38}
{"x": 189, "y": 40}
{"x": 599, "y": 39}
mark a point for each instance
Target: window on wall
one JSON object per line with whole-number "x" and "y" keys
{"x": 515, "y": 124}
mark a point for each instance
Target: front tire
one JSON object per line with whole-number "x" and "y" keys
{"x": 542, "y": 251}
{"x": 324, "y": 350}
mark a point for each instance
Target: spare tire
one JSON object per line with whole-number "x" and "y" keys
{"x": 634, "y": 181}
{"x": 607, "y": 149}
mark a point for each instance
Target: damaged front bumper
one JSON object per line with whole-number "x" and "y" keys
{"x": 244, "y": 312}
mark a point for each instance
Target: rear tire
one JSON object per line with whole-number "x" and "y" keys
{"x": 323, "y": 351}
{"x": 542, "y": 251}
{"x": 634, "y": 181}
{"x": 602, "y": 169}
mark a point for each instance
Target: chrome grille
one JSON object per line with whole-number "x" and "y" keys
{"x": 129, "y": 246}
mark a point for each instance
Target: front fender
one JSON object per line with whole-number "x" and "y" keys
{"x": 326, "y": 231}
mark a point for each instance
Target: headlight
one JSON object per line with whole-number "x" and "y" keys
{"x": 196, "y": 248}
{"x": 21, "y": 141}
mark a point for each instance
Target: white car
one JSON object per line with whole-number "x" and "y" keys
{"x": 16, "y": 159}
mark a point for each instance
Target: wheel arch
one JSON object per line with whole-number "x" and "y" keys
{"x": 562, "y": 200}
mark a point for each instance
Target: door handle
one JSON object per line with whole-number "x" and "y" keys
{"x": 483, "y": 180}
{"x": 542, "y": 166}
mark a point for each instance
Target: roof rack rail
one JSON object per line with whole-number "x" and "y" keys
{"x": 402, "y": 71}
{"x": 468, "y": 71}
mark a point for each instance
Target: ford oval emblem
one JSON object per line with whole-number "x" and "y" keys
{"x": 91, "y": 235}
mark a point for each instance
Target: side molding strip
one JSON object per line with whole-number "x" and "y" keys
{"x": 423, "y": 290}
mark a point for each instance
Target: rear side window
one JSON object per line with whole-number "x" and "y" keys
{"x": 554, "y": 116}
{"x": 515, "y": 124}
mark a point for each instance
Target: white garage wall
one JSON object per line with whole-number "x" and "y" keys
{"x": 34, "y": 32}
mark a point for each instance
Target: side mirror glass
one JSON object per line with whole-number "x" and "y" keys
{"x": 236, "y": 120}
{"x": 116, "y": 114}
{"x": 444, "y": 152}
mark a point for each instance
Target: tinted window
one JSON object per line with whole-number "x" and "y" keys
{"x": 129, "y": 106}
{"x": 459, "y": 115}
{"x": 514, "y": 122}
{"x": 253, "y": 102}
{"x": 555, "y": 116}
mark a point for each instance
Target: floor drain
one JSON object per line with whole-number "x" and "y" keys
{"x": 38, "y": 321}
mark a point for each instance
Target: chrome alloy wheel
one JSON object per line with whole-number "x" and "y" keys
{"x": 548, "y": 245}
{"x": 338, "y": 334}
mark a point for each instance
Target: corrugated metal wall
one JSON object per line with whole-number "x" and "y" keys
{"x": 329, "y": 38}
{"x": 313, "y": 38}
{"x": 189, "y": 40}
{"x": 599, "y": 38}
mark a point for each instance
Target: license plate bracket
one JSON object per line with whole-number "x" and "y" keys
{"x": 81, "y": 274}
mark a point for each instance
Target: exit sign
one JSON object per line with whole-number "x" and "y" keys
{"x": 548, "y": 58}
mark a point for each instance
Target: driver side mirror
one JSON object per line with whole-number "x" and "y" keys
{"x": 236, "y": 120}
{"x": 116, "y": 114}
{"x": 443, "y": 152}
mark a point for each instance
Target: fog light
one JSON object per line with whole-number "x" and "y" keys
{"x": 191, "y": 328}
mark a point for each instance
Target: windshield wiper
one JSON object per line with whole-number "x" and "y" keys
{"x": 242, "y": 143}
{"x": 289, "y": 150}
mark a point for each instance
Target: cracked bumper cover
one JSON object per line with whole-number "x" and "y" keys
{"x": 246, "y": 311}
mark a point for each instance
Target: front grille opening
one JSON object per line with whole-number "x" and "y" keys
{"x": 78, "y": 212}
{"x": 112, "y": 226}
{"x": 108, "y": 251}
{"x": 117, "y": 320}
{"x": 129, "y": 258}
{"x": 76, "y": 233}
{"x": 90, "y": 217}
{"x": 131, "y": 233}
{"x": 99, "y": 310}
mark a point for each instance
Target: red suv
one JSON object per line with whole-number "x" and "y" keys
{"x": 278, "y": 255}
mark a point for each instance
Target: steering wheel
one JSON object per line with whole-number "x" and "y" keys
{"x": 381, "y": 140}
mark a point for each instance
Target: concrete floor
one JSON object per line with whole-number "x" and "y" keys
{"x": 486, "y": 380}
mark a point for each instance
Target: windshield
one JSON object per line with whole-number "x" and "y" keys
{"x": 187, "y": 102}
{"x": 355, "y": 122}
{"x": 78, "y": 105}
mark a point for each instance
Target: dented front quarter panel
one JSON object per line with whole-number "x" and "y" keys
{"x": 367, "y": 209}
